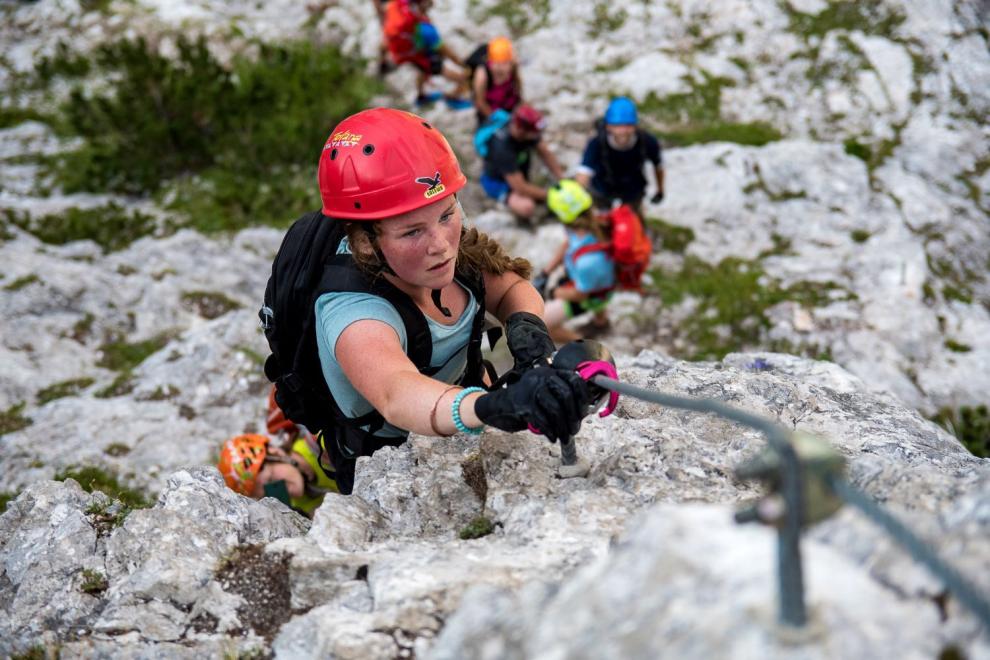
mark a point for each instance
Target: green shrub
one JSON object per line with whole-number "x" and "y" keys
{"x": 231, "y": 144}
{"x": 111, "y": 226}
{"x": 971, "y": 424}
{"x": 93, "y": 582}
{"x": 860, "y": 235}
{"x": 478, "y": 527}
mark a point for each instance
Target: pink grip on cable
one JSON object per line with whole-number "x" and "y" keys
{"x": 588, "y": 370}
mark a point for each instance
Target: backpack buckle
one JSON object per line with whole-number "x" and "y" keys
{"x": 267, "y": 316}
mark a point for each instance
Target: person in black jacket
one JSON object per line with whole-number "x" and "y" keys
{"x": 612, "y": 165}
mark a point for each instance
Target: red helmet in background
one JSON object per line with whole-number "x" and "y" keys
{"x": 529, "y": 119}
{"x": 382, "y": 162}
{"x": 277, "y": 421}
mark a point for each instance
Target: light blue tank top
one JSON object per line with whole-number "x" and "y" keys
{"x": 335, "y": 311}
{"x": 592, "y": 271}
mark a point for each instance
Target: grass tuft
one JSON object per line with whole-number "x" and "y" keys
{"x": 63, "y": 389}
{"x": 12, "y": 420}
{"x": 97, "y": 479}
{"x": 732, "y": 298}
{"x": 971, "y": 424}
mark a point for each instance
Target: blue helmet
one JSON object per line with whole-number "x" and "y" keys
{"x": 622, "y": 110}
{"x": 427, "y": 37}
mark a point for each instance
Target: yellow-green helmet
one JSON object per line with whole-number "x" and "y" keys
{"x": 568, "y": 200}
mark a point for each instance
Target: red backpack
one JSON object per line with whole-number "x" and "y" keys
{"x": 399, "y": 27}
{"x": 629, "y": 247}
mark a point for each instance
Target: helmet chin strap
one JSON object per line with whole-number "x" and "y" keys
{"x": 436, "y": 301}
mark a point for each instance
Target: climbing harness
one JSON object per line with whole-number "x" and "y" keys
{"x": 804, "y": 476}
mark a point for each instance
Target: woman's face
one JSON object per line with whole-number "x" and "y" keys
{"x": 421, "y": 246}
{"x": 500, "y": 70}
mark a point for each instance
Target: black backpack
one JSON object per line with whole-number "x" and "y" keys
{"x": 307, "y": 266}
{"x": 477, "y": 58}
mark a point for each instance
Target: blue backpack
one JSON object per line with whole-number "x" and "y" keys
{"x": 484, "y": 134}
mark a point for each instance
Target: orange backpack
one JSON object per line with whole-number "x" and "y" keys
{"x": 629, "y": 247}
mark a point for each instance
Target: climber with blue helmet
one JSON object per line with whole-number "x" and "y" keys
{"x": 612, "y": 165}
{"x": 411, "y": 37}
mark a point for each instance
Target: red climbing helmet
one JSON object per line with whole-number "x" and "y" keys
{"x": 529, "y": 119}
{"x": 382, "y": 162}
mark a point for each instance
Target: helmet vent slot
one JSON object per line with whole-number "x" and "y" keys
{"x": 428, "y": 127}
{"x": 357, "y": 205}
{"x": 333, "y": 155}
{"x": 368, "y": 149}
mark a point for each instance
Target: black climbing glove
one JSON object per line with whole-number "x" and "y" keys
{"x": 540, "y": 283}
{"x": 657, "y": 197}
{"x": 553, "y": 400}
{"x": 529, "y": 340}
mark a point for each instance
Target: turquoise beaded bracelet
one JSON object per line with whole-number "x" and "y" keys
{"x": 455, "y": 412}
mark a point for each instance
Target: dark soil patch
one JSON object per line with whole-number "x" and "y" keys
{"x": 473, "y": 472}
{"x": 262, "y": 580}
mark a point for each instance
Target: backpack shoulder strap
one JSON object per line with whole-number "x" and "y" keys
{"x": 591, "y": 247}
{"x": 474, "y": 372}
{"x": 341, "y": 274}
{"x": 605, "y": 152}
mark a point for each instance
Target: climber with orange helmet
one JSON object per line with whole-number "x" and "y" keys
{"x": 505, "y": 176}
{"x": 495, "y": 78}
{"x": 398, "y": 343}
{"x": 254, "y": 466}
{"x": 411, "y": 37}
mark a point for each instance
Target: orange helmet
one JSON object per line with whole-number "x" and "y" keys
{"x": 240, "y": 461}
{"x": 500, "y": 50}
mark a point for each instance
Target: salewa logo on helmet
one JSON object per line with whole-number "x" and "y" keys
{"x": 435, "y": 187}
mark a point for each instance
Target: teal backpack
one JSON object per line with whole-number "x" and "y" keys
{"x": 484, "y": 134}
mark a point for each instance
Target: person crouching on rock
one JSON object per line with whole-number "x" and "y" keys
{"x": 395, "y": 192}
{"x": 253, "y": 465}
{"x": 590, "y": 271}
